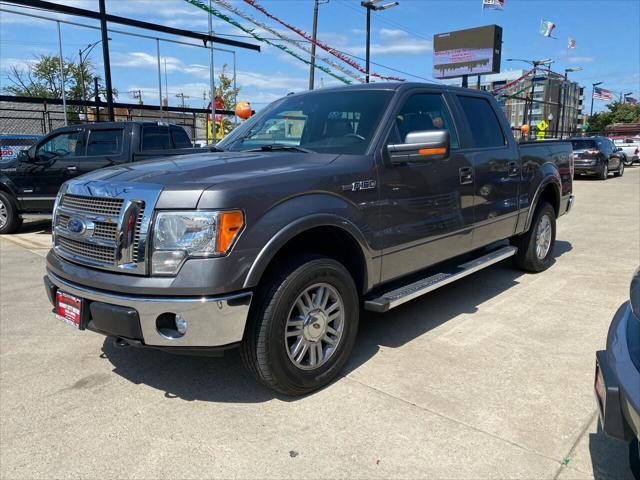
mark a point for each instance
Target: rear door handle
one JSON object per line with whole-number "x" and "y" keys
{"x": 466, "y": 175}
{"x": 512, "y": 169}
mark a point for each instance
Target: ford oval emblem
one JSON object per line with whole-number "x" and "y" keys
{"x": 76, "y": 226}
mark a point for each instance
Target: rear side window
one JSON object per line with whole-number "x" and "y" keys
{"x": 485, "y": 126}
{"x": 156, "y": 138}
{"x": 105, "y": 142}
{"x": 424, "y": 112}
{"x": 180, "y": 138}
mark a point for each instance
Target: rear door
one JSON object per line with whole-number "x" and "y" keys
{"x": 104, "y": 147}
{"x": 427, "y": 207}
{"x": 496, "y": 165}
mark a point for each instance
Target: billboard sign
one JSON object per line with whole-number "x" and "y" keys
{"x": 474, "y": 51}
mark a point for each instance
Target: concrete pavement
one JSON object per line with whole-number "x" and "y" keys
{"x": 490, "y": 377}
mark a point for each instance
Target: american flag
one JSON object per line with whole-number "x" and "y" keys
{"x": 602, "y": 94}
{"x": 630, "y": 100}
{"x": 571, "y": 44}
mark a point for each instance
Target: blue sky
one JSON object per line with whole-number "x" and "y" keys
{"x": 607, "y": 33}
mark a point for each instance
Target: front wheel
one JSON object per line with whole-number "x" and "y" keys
{"x": 535, "y": 247}
{"x": 9, "y": 219}
{"x": 620, "y": 171}
{"x": 302, "y": 325}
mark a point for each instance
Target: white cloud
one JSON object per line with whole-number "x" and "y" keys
{"x": 580, "y": 59}
{"x": 273, "y": 81}
{"x": 392, "y": 33}
{"x": 148, "y": 61}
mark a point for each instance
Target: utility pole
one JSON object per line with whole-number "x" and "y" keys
{"x": 105, "y": 59}
{"x": 371, "y": 5}
{"x": 312, "y": 68}
{"x": 181, "y": 96}
{"x": 137, "y": 95}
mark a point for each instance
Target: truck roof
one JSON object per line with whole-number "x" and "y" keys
{"x": 394, "y": 86}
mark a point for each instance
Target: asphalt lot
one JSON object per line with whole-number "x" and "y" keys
{"x": 490, "y": 377}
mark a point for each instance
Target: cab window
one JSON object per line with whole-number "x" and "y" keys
{"x": 63, "y": 145}
{"x": 156, "y": 138}
{"x": 180, "y": 138}
{"x": 424, "y": 112}
{"x": 105, "y": 142}
{"x": 485, "y": 126}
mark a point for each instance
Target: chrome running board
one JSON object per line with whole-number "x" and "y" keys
{"x": 391, "y": 299}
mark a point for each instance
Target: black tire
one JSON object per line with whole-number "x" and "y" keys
{"x": 265, "y": 350}
{"x": 604, "y": 171}
{"x": 634, "y": 458}
{"x": 9, "y": 219}
{"x": 526, "y": 258}
{"x": 620, "y": 171}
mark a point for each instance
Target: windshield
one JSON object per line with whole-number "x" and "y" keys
{"x": 583, "y": 144}
{"x": 324, "y": 122}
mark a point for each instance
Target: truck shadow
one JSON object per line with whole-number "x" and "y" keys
{"x": 609, "y": 457}
{"x": 225, "y": 380}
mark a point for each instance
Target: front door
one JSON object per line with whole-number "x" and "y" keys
{"x": 54, "y": 162}
{"x": 427, "y": 207}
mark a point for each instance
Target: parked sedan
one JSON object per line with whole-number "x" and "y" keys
{"x": 617, "y": 382}
{"x": 596, "y": 156}
{"x": 630, "y": 147}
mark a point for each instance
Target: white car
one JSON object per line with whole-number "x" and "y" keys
{"x": 630, "y": 147}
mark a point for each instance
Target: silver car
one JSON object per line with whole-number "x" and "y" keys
{"x": 630, "y": 147}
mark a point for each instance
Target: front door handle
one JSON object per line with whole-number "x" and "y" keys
{"x": 72, "y": 168}
{"x": 513, "y": 169}
{"x": 466, "y": 175}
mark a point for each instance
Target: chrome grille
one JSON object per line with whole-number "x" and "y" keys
{"x": 104, "y": 230}
{"x": 99, "y": 206}
{"x": 136, "y": 237}
{"x": 98, "y": 253}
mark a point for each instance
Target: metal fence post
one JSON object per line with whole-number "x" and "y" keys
{"x": 62, "y": 78}
{"x": 159, "y": 77}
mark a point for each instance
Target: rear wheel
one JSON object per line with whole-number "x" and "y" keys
{"x": 634, "y": 458}
{"x": 302, "y": 325}
{"x": 535, "y": 247}
{"x": 604, "y": 171}
{"x": 9, "y": 219}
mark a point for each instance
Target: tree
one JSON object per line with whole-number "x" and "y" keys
{"x": 225, "y": 90}
{"x": 42, "y": 79}
{"x": 617, "y": 113}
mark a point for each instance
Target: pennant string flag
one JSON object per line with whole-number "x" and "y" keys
{"x": 255, "y": 35}
{"x": 249, "y": 18}
{"x": 323, "y": 46}
{"x": 493, "y": 4}
{"x": 546, "y": 27}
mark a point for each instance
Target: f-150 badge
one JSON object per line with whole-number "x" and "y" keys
{"x": 360, "y": 185}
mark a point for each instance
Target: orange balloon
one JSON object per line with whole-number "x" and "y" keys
{"x": 243, "y": 110}
{"x": 524, "y": 129}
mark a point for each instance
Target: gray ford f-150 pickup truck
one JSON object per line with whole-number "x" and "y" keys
{"x": 323, "y": 203}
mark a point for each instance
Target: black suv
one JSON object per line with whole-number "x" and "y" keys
{"x": 597, "y": 156}
{"x": 30, "y": 181}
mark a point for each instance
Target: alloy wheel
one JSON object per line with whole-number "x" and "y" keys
{"x": 543, "y": 237}
{"x": 4, "y": 214}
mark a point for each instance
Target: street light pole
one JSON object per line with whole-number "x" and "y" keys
{"x": 593, "y": 87}
{"x": 105, "y": 55}
{"x": 535, "y": 64}
{"x": 563, "y": 91}
{"x": 371, "y": 5}
{"x": 314, "y": 34}
{"x": 81, "y": 52}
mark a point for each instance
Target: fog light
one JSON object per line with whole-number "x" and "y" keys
{"x": 181, "y": 325}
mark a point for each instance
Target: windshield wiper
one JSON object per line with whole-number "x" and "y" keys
{"x": 279, "y": 147}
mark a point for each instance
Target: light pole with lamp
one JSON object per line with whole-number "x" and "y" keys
{"x": 563, "y": 91}
{"x": 535, "y": 64}
{"x": 371, "y": 5}
{"x": 593, "y": 87}
{"x": 623, "y": 100}
{"x": 82, "y": 52}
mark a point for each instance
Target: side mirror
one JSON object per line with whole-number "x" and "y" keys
{"x": 421, "y": 146}
{"x": 23, "y": 156}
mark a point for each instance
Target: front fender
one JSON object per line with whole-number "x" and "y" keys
{"x": 297, "y": 215}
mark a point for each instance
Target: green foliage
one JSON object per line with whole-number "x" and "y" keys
{"x": 617, "y": 113}
{"x": 224, "y": 89}
{"x": 42, "y": 79}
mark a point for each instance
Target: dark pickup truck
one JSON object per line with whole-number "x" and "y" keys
{"x": 323, "y": 203}
{"x": 30, "y": 181}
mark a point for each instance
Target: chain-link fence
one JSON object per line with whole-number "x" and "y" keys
{"x": 39, "y": 116}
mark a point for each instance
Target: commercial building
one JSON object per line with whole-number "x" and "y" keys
{"x": 548, "y": 90}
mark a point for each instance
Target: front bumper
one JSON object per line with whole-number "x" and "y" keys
{"x": 216, "y": 321}
{"x": 617, "y": 381}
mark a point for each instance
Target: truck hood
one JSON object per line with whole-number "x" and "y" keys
{"x": 183, "y": 178}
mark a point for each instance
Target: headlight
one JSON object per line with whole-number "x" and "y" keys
{"x": 178, "y": 235}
